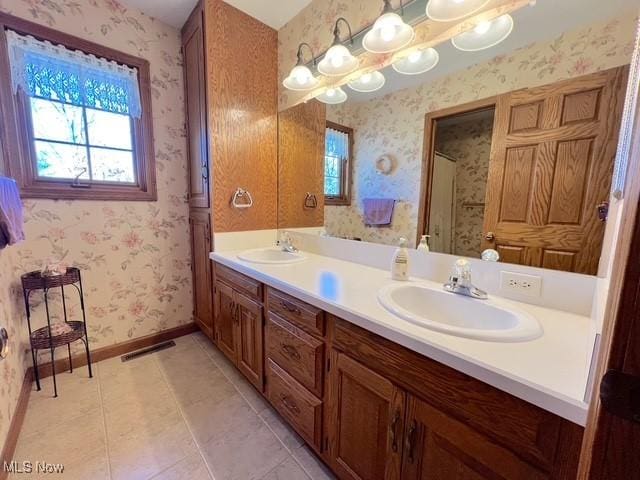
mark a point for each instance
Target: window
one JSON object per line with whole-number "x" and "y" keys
{"x": 337, "y": 164}
{"x": 82, "y": 116}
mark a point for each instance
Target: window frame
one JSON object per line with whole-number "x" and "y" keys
{"x": 16, "y": 131}
{"x": 344, "y": 199}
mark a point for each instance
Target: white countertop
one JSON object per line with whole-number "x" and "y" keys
{"x": 550, "y": 372}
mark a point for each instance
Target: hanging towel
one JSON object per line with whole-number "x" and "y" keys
{"x": 11, "y": 216}
{"x": 378, "y": 212}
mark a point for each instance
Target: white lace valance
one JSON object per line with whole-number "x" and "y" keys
{"x": 54, "y": 72}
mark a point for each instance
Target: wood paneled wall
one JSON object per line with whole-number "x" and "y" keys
{"x": 301, "y": 160}
{"x": 242, "y": 84}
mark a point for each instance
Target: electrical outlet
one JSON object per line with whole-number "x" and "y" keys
{"x": 521, "y": 283}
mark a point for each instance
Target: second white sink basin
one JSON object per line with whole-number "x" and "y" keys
{"x": 459, "y": 315}
{"x": 271, "y": 255}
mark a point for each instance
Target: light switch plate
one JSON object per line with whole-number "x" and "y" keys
{"x": 521, "y": 284}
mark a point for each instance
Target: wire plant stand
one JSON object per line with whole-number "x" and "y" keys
{"x": 46, "y": 338}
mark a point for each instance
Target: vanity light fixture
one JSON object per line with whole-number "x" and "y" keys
{"x": 338, "y": 61}
{"x": 333, "y": 96}
{"x": 417, "y": 61}
{"x": 369, "y": 82}
{"x": 301, "y": 78}
{"x": 389, "y": 33}
{"x": 484, "y": 35}
{"x": 451, "y": 10}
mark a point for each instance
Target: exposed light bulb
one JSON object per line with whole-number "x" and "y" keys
{"x": 302, "y": 76}
{"x": 300, "y": 79}
{"x": 415, "y": 57}
{"x": 482, "y": 28}
{"x": 368, "y": 82}
{"x": 331, "y": 92}
{"x": 486, "y": 34}
{"x": 388, "y": 32}
{"x": 338, "y": 61}
{"x": 451, "y": 10}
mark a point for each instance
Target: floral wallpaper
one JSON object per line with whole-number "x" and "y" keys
{"x": 394, "y": 124}
{"x": 469, "y": 144}
{"x": 134, "y": 256}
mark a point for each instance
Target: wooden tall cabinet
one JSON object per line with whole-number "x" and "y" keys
{"x": 193, "y": 51}
{"x": 195, "y": 95}
{"x": 227, "y": 151}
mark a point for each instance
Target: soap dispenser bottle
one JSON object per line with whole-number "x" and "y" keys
{"x": 423, "y": 246}
{"x": 400, "y": 262}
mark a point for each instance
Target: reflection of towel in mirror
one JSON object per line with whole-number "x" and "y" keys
{"x": 11, "y": 217}
{"x": 378, "y": 212}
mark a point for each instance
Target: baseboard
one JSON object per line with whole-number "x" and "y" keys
{"x": 16, "y": 423}
{"x": 62, "y": 365}
{"x": 103, "y": 353}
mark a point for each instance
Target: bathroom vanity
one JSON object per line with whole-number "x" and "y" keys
{"x": 369, "y": 396}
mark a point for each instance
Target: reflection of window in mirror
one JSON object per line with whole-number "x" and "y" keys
{"x": 338, "y": 164}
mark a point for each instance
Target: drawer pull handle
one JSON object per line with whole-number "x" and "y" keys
{"x": 393, "y": 430}
{"x": 411, "y": 441}
{"x": 290, "y": 308}
{"x": 291, "y": 351}
{"x": 290, "y": 404}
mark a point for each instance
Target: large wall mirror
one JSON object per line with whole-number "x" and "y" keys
{"x": 509, "y": 148}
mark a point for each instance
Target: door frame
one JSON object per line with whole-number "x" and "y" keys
{"x": 428, "y": 152}
{"x": 620, "y": 342}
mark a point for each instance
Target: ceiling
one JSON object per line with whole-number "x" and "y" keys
{"x": 544, "y": 21}
{"x": 175, "y": 12}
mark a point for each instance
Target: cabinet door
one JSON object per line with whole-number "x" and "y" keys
{"x": 250, "y": 348}
{"x": 226, "y": 321}
{"x": 366, "y": 422}
{"x": 439, "y": 447}
{"x": 199, "y": 223}
{"x": 195, "y": 102}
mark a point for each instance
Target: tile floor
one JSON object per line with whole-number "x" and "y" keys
{"x": 182, "y": 413}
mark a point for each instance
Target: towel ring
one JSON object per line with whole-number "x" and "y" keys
{"x": 239, "y": 194}
{"x": 310, "y": 200}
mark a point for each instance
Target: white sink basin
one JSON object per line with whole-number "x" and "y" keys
{"x": 459, "y": 315}
{"x": 271, "y": 255}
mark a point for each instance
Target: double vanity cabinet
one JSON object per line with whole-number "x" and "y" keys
{"x": 372, "y": 409}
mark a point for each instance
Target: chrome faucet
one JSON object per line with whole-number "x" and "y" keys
{"x": 286, "y": 244}
{"x": 460, "y": 281}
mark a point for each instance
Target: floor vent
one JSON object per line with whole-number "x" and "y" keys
{"x": 148, "y": 350}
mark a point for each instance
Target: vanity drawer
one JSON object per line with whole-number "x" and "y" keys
{"x": 239, "y": 281}
{"x": 299, "y": 407}
{"x": 297, "y": 352}
{"x": 307, "y": 317}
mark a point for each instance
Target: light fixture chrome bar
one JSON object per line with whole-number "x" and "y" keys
{"x": 414, "y": 13}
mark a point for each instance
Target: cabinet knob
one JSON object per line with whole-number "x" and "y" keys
{"x": 490, "y": 236}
